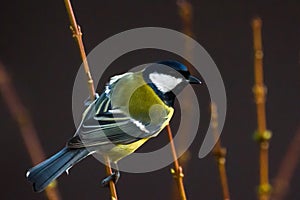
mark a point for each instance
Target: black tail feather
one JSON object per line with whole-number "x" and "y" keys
{"x": 44, "y": 173}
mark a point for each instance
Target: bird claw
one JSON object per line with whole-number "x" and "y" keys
{"x": 113, "y": 177}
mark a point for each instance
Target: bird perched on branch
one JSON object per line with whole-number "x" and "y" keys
{"x": 134, "y": 107}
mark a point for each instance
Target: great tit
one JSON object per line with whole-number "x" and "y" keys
{"x": 134, "y": 107}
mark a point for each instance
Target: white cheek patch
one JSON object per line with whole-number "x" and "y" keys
{"x": 164, "y": 82}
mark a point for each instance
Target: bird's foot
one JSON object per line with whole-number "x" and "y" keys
{"x": 113, "y": 177}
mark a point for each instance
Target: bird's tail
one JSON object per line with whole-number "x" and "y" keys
{"x": 44, "y": 173}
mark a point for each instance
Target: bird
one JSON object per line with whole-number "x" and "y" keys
{"x": 134, "y": 107}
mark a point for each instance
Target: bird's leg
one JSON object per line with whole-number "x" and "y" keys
{"x": 113, "y": 177}
{"x": 117, "y": 173}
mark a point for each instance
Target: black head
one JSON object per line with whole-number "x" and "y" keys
{"x": 168, "y": 78}
{"x": 182, "y": 69}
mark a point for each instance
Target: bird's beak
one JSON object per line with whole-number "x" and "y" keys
{"x": 194, "y": 80}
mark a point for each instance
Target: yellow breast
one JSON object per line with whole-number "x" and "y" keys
{"x": 141, "y": 103}
{"x": 122, "y": 150}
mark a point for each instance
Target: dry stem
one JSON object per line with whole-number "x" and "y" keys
{"x": 177, "y": 172}
{"x": 111, "y": 183}
{"x": 186, "y": 15}
{"x": 220, "y": 153}
{"x": 77, "y": 34}
{"x": 27, "y": 130}
{"x": 287, "y": 169}
{"x": 262, "y": 135}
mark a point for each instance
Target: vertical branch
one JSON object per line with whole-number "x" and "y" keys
{"x": 111, "y": 183}
{"x": 220, "y": 153}
{"x": 262, "y": 134}
{"x": 287, "y": 169}
{"x": 185, "y": 13}
{"x": 177, "y": 171}
{"x": 185, "y": 10}
{"x": 27, "y": 130}
{"x": 77, "y": 34}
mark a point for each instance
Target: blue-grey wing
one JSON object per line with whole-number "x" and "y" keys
{"x": 103, "y": 125}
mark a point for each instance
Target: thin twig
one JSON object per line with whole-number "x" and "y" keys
{"x": 27, "y": 130}
{"x": 287, "y": 169}
{"x": 185, "y": 13}
{"x": 111, "y": 183}
{"x": 177, "y": 171}
{"x": 77, "y": 34}
{"x": 219, "y": 153}
{"x": 262, "y": 134}
{"x": 185, "y": 10}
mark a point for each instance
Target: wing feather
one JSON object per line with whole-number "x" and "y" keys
{"x": 102, "y": 124}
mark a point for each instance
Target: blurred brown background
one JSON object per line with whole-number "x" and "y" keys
{"x": 42, "y": 59}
